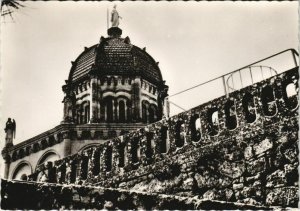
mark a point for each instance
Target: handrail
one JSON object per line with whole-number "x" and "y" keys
{"x": 293, "y": 51}
{"x": 253, "y": 66}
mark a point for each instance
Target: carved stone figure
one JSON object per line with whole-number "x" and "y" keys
{"x": 10, "y": 130}
{"x": 115, "y": 17}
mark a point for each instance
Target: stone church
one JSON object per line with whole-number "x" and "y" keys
{"x": 117, "y": 147}
{"x": 113, "y": 88}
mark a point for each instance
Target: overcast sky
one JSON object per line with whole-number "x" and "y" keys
{"x": 193, "y": 42}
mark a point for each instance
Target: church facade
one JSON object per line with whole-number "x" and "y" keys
{"x": 113, "y": 87}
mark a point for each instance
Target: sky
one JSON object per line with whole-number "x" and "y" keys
{"x": 193, "y": 42}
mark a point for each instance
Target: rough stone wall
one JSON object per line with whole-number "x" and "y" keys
{"x": 36, "y": 196}
{"x": 247, "y": 153}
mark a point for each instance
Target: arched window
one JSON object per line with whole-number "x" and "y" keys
{"x": 49, "y": 156}
{"x": 109, "y": 109}
{"x": 121, "y": 111}
{"x": 152, "y": 113}
{"x": 87, "y": 113}
{"x": 22, "y": 169}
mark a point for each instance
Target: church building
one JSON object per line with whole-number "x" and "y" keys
{"x": 113, "y": 87}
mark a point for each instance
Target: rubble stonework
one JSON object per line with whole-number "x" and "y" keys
{"x": 255, "y": 162}
{"x": 36, "y": 196}
{"x": 249, "y": 155}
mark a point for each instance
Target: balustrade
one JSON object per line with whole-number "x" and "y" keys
{"x": 197, "y": 127}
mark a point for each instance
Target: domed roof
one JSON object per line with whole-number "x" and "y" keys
{"x": 115, "y": 56}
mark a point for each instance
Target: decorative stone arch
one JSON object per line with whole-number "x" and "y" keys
{"x": 23, "y": 168}
{"x": 85, "y": 147}
{"x": 108, "y": 93}
{"x": 50, "y": 155}
{"x": 148, "y": 98}
{"x": 123, "y": 93}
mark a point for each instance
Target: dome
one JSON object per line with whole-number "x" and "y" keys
{"x": 115, "y": 56}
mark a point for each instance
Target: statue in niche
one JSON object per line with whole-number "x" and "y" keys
{"x": 10, "y": 130}
{"x": 115, "y": 17}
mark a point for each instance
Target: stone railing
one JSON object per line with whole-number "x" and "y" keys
{"x": 239, "y": 148}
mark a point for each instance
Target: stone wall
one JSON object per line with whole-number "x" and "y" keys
{"x": 36, "y": 196}
{"x": 241, "y": 148}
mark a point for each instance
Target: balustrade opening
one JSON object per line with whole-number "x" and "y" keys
{"x": 163, "y": 139}
{"x": 179, "y": 133}
{"x": 213, "y": 121}
{"x": 73, "y": 171}
{"x": 96, "y": 167}
{"x": 135, "y": 149}
{"x": 108, "y": 160}
{"x": 149, "y": 149}
{"x": 290, "y": 95}
{"x": 268, "y": 101}
{"x": 62, "y": 171}
{"x": 230, "y": 115}
{"x": 121, "y": 150}
{"x": 195, "y": 127}
{"x": 84, "y": 167}
{"x": 249, "y": 107}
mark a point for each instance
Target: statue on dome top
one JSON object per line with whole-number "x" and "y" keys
{"x": 115, "y": 17}
{"x": 10, "y": 130}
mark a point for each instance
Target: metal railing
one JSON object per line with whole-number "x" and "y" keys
{"x": 242, "y": 77}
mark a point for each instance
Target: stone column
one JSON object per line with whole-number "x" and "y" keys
{"x": 136, "y": 99}
{"x": 91, "y": 163}
{"x": 67, "y": 141}
{"x": 93, "y": 100}
{"x": 162, "y": 101}
{"x": 166, "y": 108}
{"x": 115, "y": 110}
{"x": 6, "y": 169}
{"x": 6, "y": 159}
